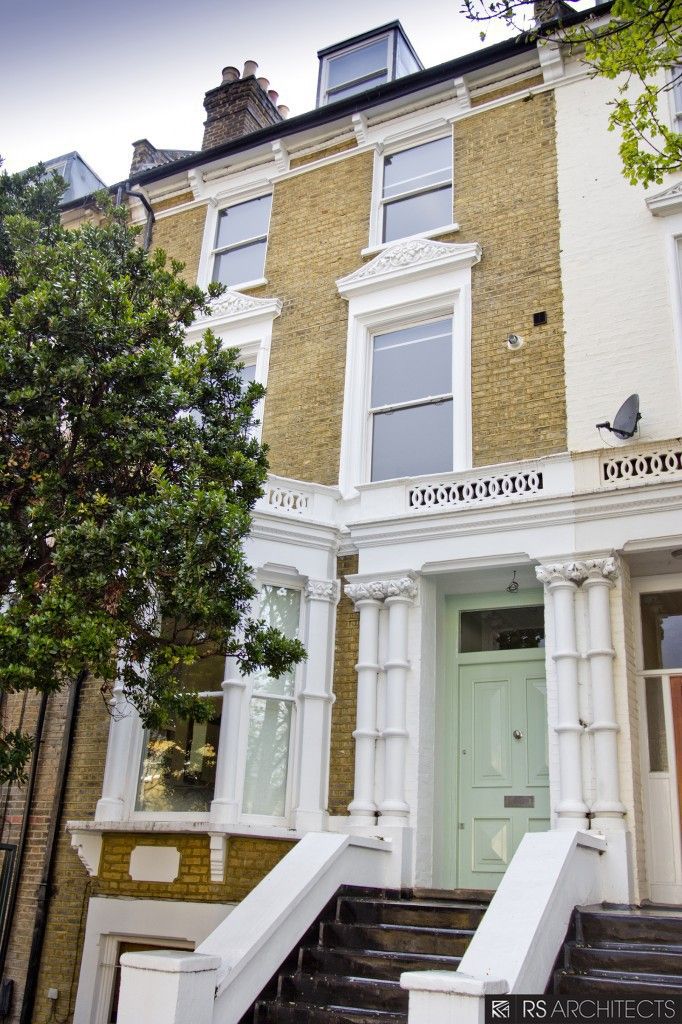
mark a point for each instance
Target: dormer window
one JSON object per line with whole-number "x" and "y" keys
{"x": 365, "y": 61}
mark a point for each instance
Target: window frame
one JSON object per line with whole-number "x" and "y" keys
{"x": 373, "y": 411}
{"x": 291, "y": 583}
{"x": 376, "y": 225}
{"x": 210, "y": 249}
{"x": 323, "y": 97}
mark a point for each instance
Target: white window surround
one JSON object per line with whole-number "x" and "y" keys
{"x": 243, "y": 322}
{"x": 217, "y": 204}
{"x": 109, "y": 921}
{"x": 418, "y": 136}
{"x": 323, "y": 98}
{"x": 410, "y": 281}
{"x": 667, "y": 205}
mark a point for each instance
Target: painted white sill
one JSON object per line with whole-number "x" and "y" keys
{"x": 258, "y": 283}
{"x": 184, "y": 825}
{"x": 372, "y": 250}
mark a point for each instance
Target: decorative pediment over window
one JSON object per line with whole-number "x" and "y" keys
{"x": 409, "y": 259}
{"x": 667, "y": 202}
{"x": 233, "y": 305}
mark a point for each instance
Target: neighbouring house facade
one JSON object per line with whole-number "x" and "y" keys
{"x": 445, "y": 284}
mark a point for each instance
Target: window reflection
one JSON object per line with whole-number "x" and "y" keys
{"x": 662, "y": 629}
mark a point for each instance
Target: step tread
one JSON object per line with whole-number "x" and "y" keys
{"x": 328, "y": 978}
{"x": 650, "y": 977}
{"x": 623, "y": 946}
{"x": 384, "y": 954}
{"x": 618, "y": 980}
{"x": 420, "y": 903}
{"x": 417, "y": 928}
{"x": 335, "y": 1014}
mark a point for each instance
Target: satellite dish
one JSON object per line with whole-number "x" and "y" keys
{"x": 626, "y": 419}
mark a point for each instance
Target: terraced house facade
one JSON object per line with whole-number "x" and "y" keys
{"x": 445, "y": 284}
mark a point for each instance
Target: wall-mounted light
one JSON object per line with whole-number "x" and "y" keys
{"x": 514, "y": 342}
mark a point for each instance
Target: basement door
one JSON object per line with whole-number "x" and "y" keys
{"x": 497, "y": 784}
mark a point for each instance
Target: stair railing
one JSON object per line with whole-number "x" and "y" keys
{"x": 219, "y": 982}
{"x": 517, "y": 942}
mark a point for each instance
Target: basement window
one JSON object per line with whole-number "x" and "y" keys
{"x": 241, "y": 242}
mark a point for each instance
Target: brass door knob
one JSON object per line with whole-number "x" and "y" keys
{"x": 517, "y": 734}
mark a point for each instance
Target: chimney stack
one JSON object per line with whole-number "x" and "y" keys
{"x": 239, "y": 106}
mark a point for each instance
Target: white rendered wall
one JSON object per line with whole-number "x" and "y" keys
{"x": 616, "y": 278}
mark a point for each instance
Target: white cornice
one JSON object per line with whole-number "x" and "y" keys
{"x": 666, "y": 203}
{"x": 409, "y": 259}
{"x": 235, "y": 307}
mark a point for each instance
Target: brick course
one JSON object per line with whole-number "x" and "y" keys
{"x": 342, "y": 747}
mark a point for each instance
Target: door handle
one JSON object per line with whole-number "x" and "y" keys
{"x": 517, "y": 734}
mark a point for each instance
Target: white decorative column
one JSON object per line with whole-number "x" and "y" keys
{"x": 607, "y": 809}
{"x": 316, "y": 701}
{"x": 225, "y": 805}
{"x": 394, "y": 809}
{"x": 112, "y": 806}
{"x": 561, "y": 582}
{"x": 367, "y": 599}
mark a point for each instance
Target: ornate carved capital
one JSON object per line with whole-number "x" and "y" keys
{"x": 379, "y": 590}
{"x": 602, "y": 568}
{"x": 234, "y": 303}
{"x": 322, "y": 590}
{"x": 561, "y": 572}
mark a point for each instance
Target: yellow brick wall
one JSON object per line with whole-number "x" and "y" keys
{"x": 168, "y": 204}
{"x": 342, "y": 750}
{"x": 506, "y": 199}
{"x": 506, "y": 90}
{"x": 72, "y": 885}
{"x": 248, "y": 862}
{"x": 340, "y": 147}
{"x": 181, "y": 237}
{"x": 320, "y": 223}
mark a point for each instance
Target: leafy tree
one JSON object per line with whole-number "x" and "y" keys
{"x": 128, "y": 469}
{"x": 638, "y": 45}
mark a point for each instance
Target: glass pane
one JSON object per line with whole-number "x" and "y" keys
{"x": 430, "y": 164}
{"x": 280, "y": 607}
{"x": 178, "y": 766}
{"x": 206, "y": 673}
{"x": 502, "y": 629}
{"x": 349, "y": 66}
{"x": 247, "y": 263}
{"x": 412, "y": 442}
{"x": 405, "y": 63}
{"x": 662, "y": 629}
{"x": 267, "y": 757}
{"x": 423, "y": 212}
{"x": 248, "y": 374}
{"x": 246, "y": 220}
{"x": 413, "y": 363}
{"x": 655, "y": 724}
{"x": 352, "y": 90}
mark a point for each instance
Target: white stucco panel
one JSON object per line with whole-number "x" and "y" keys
{"x": 618, "y": 279}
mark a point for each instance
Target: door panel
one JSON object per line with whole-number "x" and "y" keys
{"x": 490, "y": 745}
{"x": 503, "y": 766}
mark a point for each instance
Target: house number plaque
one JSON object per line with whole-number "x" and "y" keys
{"x": 519, "y": 801}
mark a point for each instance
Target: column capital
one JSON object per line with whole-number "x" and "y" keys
{"x": 322, "y": 590}
{"x": 561, "y": 572}
{"x": 607, "y": 569}
{"x": 378, "y": 590}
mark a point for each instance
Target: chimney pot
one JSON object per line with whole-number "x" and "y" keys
{"x": 264, "y": 84}
{"x": 250, "y": 68}
{"x": 283, "y": 110}
{"x": 230, "y": 74}
{"x": 273, "y": 97}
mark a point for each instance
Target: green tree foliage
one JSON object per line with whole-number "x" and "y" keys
{"x": 638, "y": 45}
{"x": 128, "y": 469}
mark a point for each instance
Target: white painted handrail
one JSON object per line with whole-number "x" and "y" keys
{"x": 517, "y": 942}
{"x": 238, "y": 959}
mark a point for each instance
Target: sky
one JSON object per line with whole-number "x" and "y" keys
{"x": 95, "y": 76}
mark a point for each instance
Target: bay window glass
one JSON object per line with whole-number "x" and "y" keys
{"x": 241, "y": 242}
{"x": 271, "y": 713}
{"x": 662, "y": 629}
{"x": 411, "y": 401}
{"x": 417, "y": 190}
{"x": 179, "y": 762}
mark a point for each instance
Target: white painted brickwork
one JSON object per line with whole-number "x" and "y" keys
{"x": 616, "y": 279}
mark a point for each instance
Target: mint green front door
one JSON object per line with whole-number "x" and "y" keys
{"x": 503, "y": 773}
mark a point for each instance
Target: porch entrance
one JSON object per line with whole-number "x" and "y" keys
{"x": 493, "y": 745}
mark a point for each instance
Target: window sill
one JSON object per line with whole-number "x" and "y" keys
{"x": 258, "y": 283}
{"x": 372, "y": 250}
{"x": 181, "y": 825}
